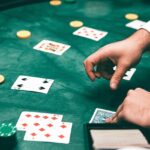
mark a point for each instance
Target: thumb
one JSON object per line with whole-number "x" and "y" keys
{"x": 117, "y": 76}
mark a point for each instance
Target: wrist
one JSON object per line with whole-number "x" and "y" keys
{"x": 141, "y": 38}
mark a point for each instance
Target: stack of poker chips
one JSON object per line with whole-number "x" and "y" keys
{"x": 8, "y": 138}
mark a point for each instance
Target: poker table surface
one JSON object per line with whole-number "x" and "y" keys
{"x": 73, "y": 95}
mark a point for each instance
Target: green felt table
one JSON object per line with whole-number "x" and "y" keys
{"x": 72, "y": 93}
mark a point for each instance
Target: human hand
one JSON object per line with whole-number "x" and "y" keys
{"x": 123, "y": 54}
{"x": 135, "y": 108}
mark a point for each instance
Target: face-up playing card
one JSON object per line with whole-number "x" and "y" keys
{"x": 128, "y": 74}
{"x": 136, "y": 24}
{"x": 58, "y": 132}
{"x": 100, "y": 115}
{"x": 34, "y": 84}
{"x": 52, "y": 47}
{"x": 90, "y": 33}
{"x": 35, "y": 119}
{"x": 41, "y": 45}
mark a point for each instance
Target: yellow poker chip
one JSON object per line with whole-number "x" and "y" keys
{"x": 2, "y": 79}
{"x": 55, "y": 2}
{"x": 131, "y": 16}
{"x": 76, "y": 24}
{"x": 23, "y": 34}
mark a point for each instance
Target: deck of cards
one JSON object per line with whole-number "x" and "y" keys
{"x": 33, "y": 84}
{"x": 100, "y": 115}
{"x": 44, "y": 127}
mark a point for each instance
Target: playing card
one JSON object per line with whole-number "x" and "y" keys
{"x": 100, "y": 115}
{"x": 34, "y": 84}
{"x": 59, "y": 132}
{"x": 52, "y": 47}
{"x": 35, "y": 119}
{"x": 90, "y": 33}
{"x": 41, "y": 45}
{"x": 128, "y": 74}
{"x": 136, "y": 24}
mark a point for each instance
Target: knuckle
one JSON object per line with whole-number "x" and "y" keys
{"x": 130, "y": 92}
{"x": 138, "y": 89}
{"x": 125, "y": 63}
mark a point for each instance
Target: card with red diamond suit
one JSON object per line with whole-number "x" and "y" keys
{"x": 35, "y": 119}
{"x": 56, "y": 132}
{"x": 90, "y": 33}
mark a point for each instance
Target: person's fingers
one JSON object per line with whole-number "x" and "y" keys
{"x": 101, "y": 54}
{"x": 110, "y": 120}
{"x": 97, "y": 74}
{"x": 118, "y": 110}
{"x": 130, "y": 92}
{"x": 89, "y": 67}
{"x": 117, "y": 76}
{"x": 139, "y": 90}
{"x": 115, "y": 120}
{"x": 118, "y": 117}
{"x": 91, "y": 61}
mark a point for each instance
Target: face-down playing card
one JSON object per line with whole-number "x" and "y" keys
{"x": 90, "y": 33}
{"x": 52, "y": 47}
{"x": 34, "y": 84}
{"x": 136, "y": 24}
{"x": 57, "y": 132}
{"x": 100, "y": 115}
{"x": 35, "y": 119}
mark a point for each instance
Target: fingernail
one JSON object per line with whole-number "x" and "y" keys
{"x": 107, "y": 120}
{"x": 113, "y": 86}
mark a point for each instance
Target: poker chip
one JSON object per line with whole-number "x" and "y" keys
{"x": 7, "y": 135}
{"x": 23, "y": 34}
{"x": 76, "y": 24}
{"x": 70, "y": 1}
{"x": 7, "y": 130}
{"x": 131, "y": 16}
{"x": 55, "y": 2}
{"x": 2, "y": 79}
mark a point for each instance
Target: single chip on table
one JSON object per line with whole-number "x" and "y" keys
{"x": 131, "y": 16}
{"x": 23, "y": 34}
{"x": 76, "y": 24}
{"x": 2, "y": 78}
{"x": 55, "y": 2}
